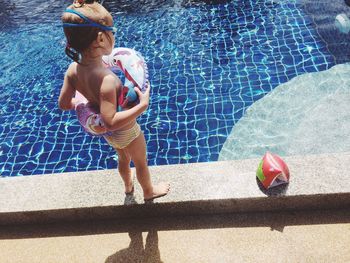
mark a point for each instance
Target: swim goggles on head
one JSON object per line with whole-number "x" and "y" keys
{"x": 88, "y": 22}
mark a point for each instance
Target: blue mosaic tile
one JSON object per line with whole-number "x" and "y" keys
{"x": 208, "y": 62}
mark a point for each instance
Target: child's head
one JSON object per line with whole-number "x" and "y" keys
{"x": 87, "y": 24}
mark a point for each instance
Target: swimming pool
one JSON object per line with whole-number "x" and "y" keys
{"x": 208, "y": 61}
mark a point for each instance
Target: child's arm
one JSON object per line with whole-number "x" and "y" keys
{"x": 66, "y": 99}
{"x": 108, "y": 104}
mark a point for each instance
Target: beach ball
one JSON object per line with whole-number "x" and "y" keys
{"x": 272, "y": 171}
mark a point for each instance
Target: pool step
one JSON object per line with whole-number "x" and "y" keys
{"x": 317, "y": 182}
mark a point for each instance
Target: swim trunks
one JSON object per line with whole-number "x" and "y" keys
{"x": 121, "y": 139}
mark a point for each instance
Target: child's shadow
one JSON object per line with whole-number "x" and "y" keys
{"x": 137, "y": 252}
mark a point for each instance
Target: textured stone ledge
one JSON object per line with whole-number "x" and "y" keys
{"x": 317, "y": 182}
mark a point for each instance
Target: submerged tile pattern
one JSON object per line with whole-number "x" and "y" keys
{"x": 208, "y": 63}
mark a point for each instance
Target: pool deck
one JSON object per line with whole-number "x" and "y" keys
{"x": 317, "y": 182}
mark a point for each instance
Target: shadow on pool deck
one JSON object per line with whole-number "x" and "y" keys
{"x": 305, "y": 236}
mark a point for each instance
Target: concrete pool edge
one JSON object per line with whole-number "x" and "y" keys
{"x": 317, "y": 182}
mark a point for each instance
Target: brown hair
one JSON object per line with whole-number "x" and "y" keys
{"x": 80, "y": 38}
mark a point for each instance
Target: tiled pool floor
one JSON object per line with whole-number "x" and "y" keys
{"x": 208, "y": 63}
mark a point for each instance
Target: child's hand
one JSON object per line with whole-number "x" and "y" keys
{"x": 143, "y": 97}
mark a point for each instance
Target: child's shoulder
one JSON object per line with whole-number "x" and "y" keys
{"x": 72, "y": 69}
{"x": 110, "y": 81}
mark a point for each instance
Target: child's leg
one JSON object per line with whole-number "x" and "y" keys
{"x": 124, "y": 169}
{"x": 137, "y": 151}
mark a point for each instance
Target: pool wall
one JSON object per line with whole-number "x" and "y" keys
{"x": 317, "y": 182}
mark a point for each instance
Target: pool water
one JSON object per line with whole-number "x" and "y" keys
{"x": 208, "y": 62}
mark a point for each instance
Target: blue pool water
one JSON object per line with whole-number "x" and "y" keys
{"x": 208, "y": 61}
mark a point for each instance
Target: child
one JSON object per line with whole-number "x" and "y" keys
{"x": 89, "y": 30}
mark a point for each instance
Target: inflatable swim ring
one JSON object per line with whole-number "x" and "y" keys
{"x": 133, "y": 66}
{"x": 88, "y": 118}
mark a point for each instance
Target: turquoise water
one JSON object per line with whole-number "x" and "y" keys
{"x": 307, "y": 115}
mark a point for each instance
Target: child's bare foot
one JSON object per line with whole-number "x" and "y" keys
{"x": 159, "y": 190}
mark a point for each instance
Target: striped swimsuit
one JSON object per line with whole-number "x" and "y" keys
{"x": 121, "y": 139}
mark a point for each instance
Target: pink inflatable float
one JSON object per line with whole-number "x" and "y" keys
{"x": 133, "y": 66}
